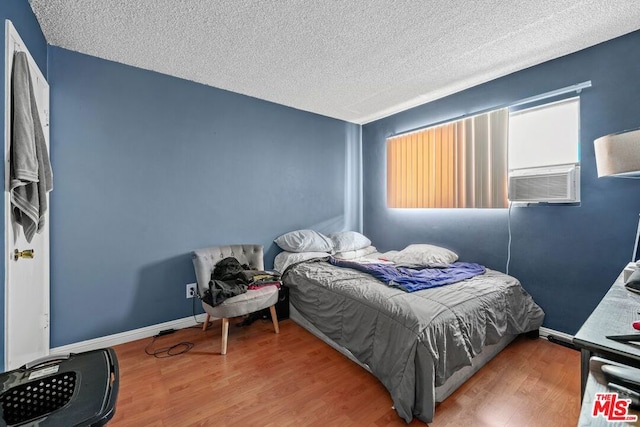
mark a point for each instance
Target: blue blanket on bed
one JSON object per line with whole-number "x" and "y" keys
{"x": 415, "y": 279}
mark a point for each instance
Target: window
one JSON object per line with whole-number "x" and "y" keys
{"x": 545, "y": 135}
{"x": 465, "y": 163}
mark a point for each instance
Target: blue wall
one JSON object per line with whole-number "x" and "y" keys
{"x": 149, "y": 167}
{"x": 566, "y": 257}
{"x": 20, "y": 14}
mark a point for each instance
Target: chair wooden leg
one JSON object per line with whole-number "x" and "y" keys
{"x": 274, "y": 318}
{"x": 206, "y": 323}
{"x": 225, "y": 334}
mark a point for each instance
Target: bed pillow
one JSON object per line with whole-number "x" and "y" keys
{"x": 305, "y": 241}
{"x": 423, "y": 254}
{"x": 285, "y": 259}
{"x": 344, "y": 241}
{"x": 358, "y": 253}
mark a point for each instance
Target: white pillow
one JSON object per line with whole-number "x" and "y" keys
{"x": 305, "y": 241}
{"x": 285, "y": 259}
{"x": 349, "y": 241}
{"x": 358, "y": 253}
{"x": 423, "y": 254}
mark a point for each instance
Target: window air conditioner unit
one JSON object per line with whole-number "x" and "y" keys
{"x": 549, "y": 184}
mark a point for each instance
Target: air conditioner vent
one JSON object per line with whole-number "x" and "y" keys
{"x": 554, "y": 184}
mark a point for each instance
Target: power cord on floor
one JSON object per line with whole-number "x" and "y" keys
{"x": 170, "y": 351}
{"x": 176, "y": 349}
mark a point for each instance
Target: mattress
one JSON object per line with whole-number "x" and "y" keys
{"x": 420, "y": 345}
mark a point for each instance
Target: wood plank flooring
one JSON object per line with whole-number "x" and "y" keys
{"x": 294, "y": 379}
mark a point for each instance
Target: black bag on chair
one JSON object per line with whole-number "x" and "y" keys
{"x": 226, "y": 281}
{"x": 228, "y": 269}
{"x": 220, "y": 290}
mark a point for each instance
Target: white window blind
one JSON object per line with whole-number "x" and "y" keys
{"x": 545, "y": 135}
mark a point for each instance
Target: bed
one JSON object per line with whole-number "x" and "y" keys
{"x": 421, "y": 345}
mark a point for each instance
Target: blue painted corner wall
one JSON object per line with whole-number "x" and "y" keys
{"x": 566, "y": 257}
{"x": 22, "y": 17}
{"x": 149, "y": 167}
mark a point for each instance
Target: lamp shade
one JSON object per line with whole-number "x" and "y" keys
{"x": 618, "y": 154}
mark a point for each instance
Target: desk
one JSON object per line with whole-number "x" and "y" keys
{"x": 613, "y": 316}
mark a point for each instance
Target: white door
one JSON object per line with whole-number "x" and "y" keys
{"x": 26, "y": 279}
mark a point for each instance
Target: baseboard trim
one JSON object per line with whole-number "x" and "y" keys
{"x": 186, "y": 322}
{"x": 560, "y": 336}
{"x": 557, "y": 337}
{"x": 127, "y": 336}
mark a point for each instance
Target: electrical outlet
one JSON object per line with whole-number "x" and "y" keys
{"x": 191, "y": 290}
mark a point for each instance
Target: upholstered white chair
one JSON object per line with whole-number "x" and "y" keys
{"x": 204, "y": 260}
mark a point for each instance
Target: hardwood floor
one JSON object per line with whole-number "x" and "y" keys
{"x": 294, "y": 379}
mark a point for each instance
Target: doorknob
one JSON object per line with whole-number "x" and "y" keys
{"x": 27, "y": 253}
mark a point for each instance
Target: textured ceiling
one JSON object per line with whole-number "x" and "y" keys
{"x": 354, "y": 60}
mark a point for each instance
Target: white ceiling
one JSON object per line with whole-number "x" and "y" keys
{"x": 356, "y": 60}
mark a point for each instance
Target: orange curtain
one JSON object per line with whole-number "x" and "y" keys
{"x": 461, "y": 164}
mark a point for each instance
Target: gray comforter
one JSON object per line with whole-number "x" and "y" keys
{"x": 412, "y": 342}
